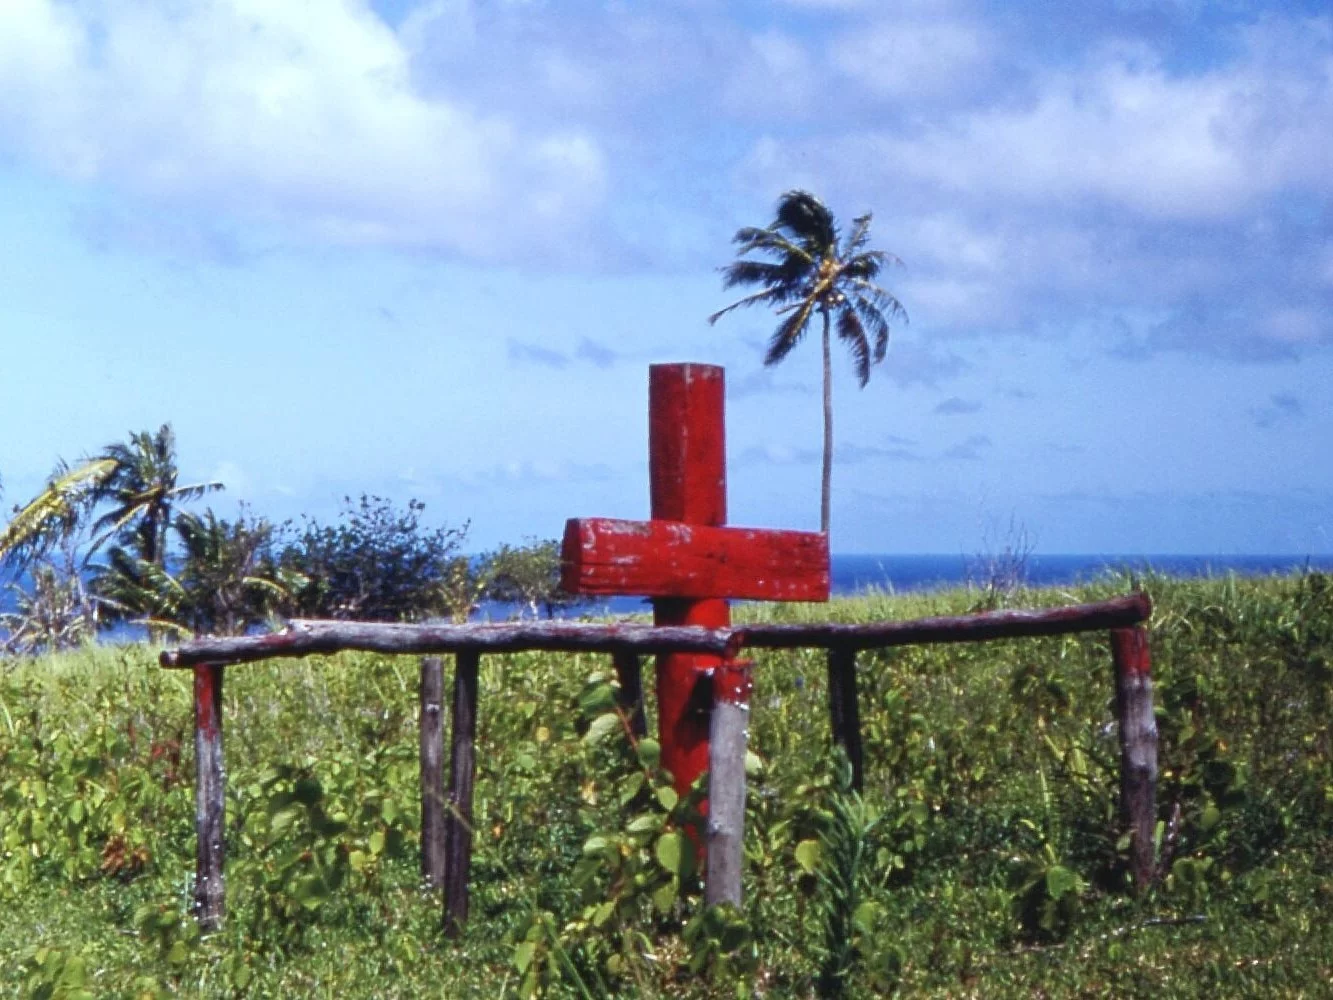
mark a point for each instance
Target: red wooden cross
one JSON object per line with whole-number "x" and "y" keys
{"x": 684, "y": 558}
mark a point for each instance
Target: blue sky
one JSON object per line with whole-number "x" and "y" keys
{"x": 429, "y": 249}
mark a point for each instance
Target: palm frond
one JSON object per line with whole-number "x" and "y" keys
{"x": 758, "y": 272}
{"x": 54, "y": 512}
{"x": 809, "y": 220}
{"x": 882, "y": 300}
{"x": 194, "y": 491}
{"x": 752, "y": 240}
{"x": 853, "y": 334}
{"x": 858, "y": 237}
{"x": 789, "y": 334}
{"x": 868, "y": 263}
{"x": 875, "y": 324}
{"x": 768, "y": 296}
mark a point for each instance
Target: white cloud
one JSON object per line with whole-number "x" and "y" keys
{"x": 914, "y": 58}
{"x": 304, "y": 115}
{"x": 1125, "y": 131}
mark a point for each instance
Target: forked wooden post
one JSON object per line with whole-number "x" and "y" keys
{"x": 462, "y": 773}
{"x": 1138, "y": 748}
{"x": 630, "y": 698}
{"x": 728, "y": 734}
{"x": 844, "y": 711}
{"x": 210, "y": 798}
{"x": 431, "y": 721}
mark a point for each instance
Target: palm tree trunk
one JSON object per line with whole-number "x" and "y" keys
{"x": 827, "y": 477}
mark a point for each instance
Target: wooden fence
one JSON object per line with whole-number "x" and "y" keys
{"x": 446, "y": 827}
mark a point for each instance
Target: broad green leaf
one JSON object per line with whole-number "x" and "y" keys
{"x": 602, "y": 727}
{"x": 754, "y": 764}
{"x": 523, "y": 955}
{"x": 666, "y": 795}
{"x": 664, "y": 897}
{"x": 808, "y": 854}
{"x": 650, "y": 752}
{"x": 595, "y": 845}
{"x": 1060, "y": 881}
{"x": 644, "y": 824}
{"x": 603, "y": 912}
{"x": 671, "y": 851}
{"x": 597, "y": 699}
{"x": 866, "y": 915}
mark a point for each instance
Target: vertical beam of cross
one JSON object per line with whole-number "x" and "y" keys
{"x": 688, "y": 472}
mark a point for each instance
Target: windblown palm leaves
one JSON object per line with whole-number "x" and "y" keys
{"x": 143, "y": 489}
{"x": 803, "y": 269}
{"x": 812, "y": 271}
{"x": 55, "y": 513}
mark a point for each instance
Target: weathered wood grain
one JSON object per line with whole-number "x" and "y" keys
{"x": 210, "y": 798}
{"x": 462, "y": 775}
{"x": 1138, "y": 749}
{"x": 1120, "y": 612}
{"x": 603, "y": 555}
{"x": 303, "y": 637}
{"x": 728, "y": 736}
{"x": 431, "y": 722}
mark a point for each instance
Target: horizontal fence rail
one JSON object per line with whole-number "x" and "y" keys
{"x": 303, "y": 637}
{"x": 447, "y": 816}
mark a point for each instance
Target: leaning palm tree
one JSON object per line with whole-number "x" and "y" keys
{"x": 54, "y": 514}
{"x": 143, "y": 491}
{"x": 810, "y": 271}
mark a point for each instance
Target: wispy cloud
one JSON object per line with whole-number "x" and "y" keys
{"x": 1281, "y": 409}
{"x": 521, "y": 353}
{"x": 955, "y": 405}
{"x": 587, "y": 352}
{"x": 971, "y": 450}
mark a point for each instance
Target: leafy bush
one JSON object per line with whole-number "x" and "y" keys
{"x": 377, "y": 563}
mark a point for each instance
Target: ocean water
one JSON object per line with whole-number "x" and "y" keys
{"x": 852, "y": 574}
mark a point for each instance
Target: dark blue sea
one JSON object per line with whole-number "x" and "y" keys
{"x": 852, "y": 574}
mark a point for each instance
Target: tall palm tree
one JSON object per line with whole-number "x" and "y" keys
{"x": 143, "y": 491}
{"x": 811, "y": 271}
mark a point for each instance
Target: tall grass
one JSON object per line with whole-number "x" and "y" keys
{"x": 990, "y": 770}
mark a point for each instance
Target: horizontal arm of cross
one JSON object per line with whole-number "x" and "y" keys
{"x": 605, "y": 556}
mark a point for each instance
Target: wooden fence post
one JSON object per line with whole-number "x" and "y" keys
{"x": 728, "y": 732}
{"x": 844, "y": 712}
{"x": 630, "y": 699}
{"x": 462, "y": 773}
{"x": 1138, "y": 748}
{"x": 432, "y": 771}
{"x": 210, "y": 798}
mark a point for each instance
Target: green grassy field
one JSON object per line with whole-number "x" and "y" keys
{"x": 983, "y": 860}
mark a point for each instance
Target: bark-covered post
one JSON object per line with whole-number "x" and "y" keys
{"x": 630, "y": 698}
{"x": 728, "y": 731}
{"x": 1138, "y": 748}
{"x": 210, "y": 797}
{"x": 432, "y": 771}
{"x": 844, "y": 711}
{"x": 462, "y": 773}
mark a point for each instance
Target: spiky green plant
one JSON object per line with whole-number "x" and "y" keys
{"x": 844, "y": 910}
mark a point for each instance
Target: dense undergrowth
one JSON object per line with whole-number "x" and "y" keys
{"x": 984, "y": 858}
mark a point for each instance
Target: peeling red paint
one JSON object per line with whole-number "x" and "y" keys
{"x": 207, "y": 712}
{"x": 1129, "y": 648}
